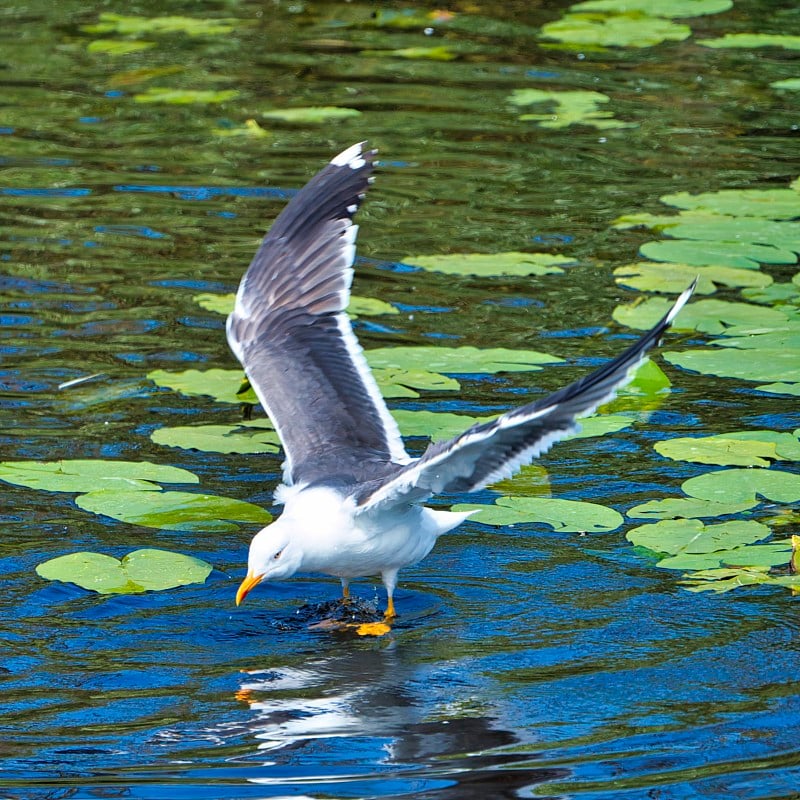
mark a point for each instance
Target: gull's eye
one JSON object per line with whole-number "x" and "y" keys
{"x": 277, "y": 555}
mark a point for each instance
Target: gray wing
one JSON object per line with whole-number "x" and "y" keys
{"x": 490, "y": 451}
{"x": 295, "y": 342}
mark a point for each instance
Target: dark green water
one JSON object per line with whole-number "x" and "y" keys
{"x": 525, "y": 662}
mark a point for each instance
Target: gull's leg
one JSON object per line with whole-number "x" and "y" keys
{"x": 345, "y": 590}
{"x": 390, "y": 582}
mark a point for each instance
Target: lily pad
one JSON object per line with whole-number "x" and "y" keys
{"x": 224, "y": 385}
{"x": 139, "y": 571}
{"x": 750, "y": 40}
{"x": 617, "y": 30}
{"x": 792, "y": 389}
{"x": 160, "y": 94}
{"x": 776, "y": 294}
{"x": 173, "y": 511}
{"x": 743, "y": 255}
{"x": 86, "y": 475}
{"x": 118, "y": 47}
{"x": 311, "y": 115}
{"x": 531, "y": 481}
{"x": 570, "y": 107}
{"x": 739, "y": 448}
{"x": 405, "y": 382}
{"x": 672, "y": 278}
{"x": 792, "y": 84}
{"x": 440, "y": 53}
{"x": 691, "y": 536}
{"x": 743, "y": 485}
{"x": 218, "y": 439}
{"x": 657, "y": 8}
{"x": 359, "y": 306}
{"x": 688, "y": 508}
{"x": 459, "y": 360}
{"x": 137, "y": 26}
{"x": 437, "y": 425}
{"x": 707, "y": 316}
{"x": 779, "y": 365}
{"x": 565, "y": 516}
{"x": 765, "y": 203}
{"x": 490, "y": 264}
{"x": 725, "y": 579}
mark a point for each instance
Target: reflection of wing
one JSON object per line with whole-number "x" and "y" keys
{"x": 489, "y": 451}
{"x": 291, "y": 334}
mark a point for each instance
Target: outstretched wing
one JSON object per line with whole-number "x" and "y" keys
{"x": 490, "y": 451}
{"x": 290, "y": 331}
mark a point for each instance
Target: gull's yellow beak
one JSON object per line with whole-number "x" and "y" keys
{"x": 246, "y": 585}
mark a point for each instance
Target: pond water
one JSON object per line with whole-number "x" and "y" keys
{"x": 525, "y": 661}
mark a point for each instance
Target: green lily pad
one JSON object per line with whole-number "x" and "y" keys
{"x": 782, "y": 235}
{"x": 221, "y": 384}
{"x": 792, "y": 84}
{"x": 312, "y": 115}
{"x": 437, "y": 425}
{"x": 743, "y": 485}
{"x": 463, "y": 360}
{"x": 359, "y": 306}
{"x": 743, "y": 255}
{"x": 139, "y": 571}
{"x": 118, "y": 47}
{"x": 707, "y": 316}
{"x": 570, "y": 107}
{"x": 765, "y": 203}
{"x": 173, "y": 511}
{"x": 618, "y": 30}
{"x": 723, "y": 580}
{"x": 490, "y": 264}
{"x": 218, "y": 439}
{"x": 672, "y": 278}
{"x": 778, "y": 365}
{"x": 792, "y": 389}
{"x": 160, "y": 94}
{"x": 687, "y": 508}
{"x": 750, "y": 40}
{"x": 137, "y": 26}
{"x": 776, "y": 294}
{"x": 440, "y": 53}
{"x": 405, "y": 382}
{"x": 566, "y": 516}
{"x": 749, "y": 337}
{"x": 691, "y": 536}
{"x": 740, "y": 448}
{"x": 656, "y": 8}
{"x": 250, "y": 129}
{"x": 86, "y": 475}
{"x": 531, "y": 481}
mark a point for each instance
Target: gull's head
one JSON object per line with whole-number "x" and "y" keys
{"x": 274, "y": 555}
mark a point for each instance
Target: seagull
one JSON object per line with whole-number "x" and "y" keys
{"x": 353, "y": 499}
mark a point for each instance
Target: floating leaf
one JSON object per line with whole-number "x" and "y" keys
{"x": 489, "y": 264}
{"x": 173, "y": 511}
{"x": 571, "y": 107}
{"x": 792, "y": 389}
{"x": 440, "y": 53}
{"x": 405, "y": 382}
{"x": 743, "y": 485}
{"x": 687, "y": 508}
{"x": 750, "y": 40}
{"x": 742, "y": 255}
{"x": 672, "y": 278}
{"x": 566, "y": 516}
{"x": 221, "y": 384}
{"x": 218, "y": 439}
{"x": 136, "y": 26}
{"x": 160, "y": 94}
{"x": 723, "y": 580}
{"x": 691, "y": 536}
{"x": 748, "y": 449}
{"x": 86, "y": 475}
{"x": 437, "y": 425}
{"x": 618, "y": 30}
{"x": 727, "y": 362}
{"x": 139, "y": 571}
{"x": 316, "y": 115}
{"x": 708, "y": 316}
{"x": 792, "y": 84}
{"x": 600, "y": 425}
{"x": 766, "y": 203}
{"x": 656, "y": 8}
{"x": 359, "y": 306}
{"x": 250, "y": 128}
{"x": 455, "y": 360}
{"x": 775, "y": 294}
{"x": 531, "y": 481}
{"x": 118, "y": 47}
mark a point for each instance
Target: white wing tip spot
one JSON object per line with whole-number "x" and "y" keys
{"x": 352, "y": 157}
